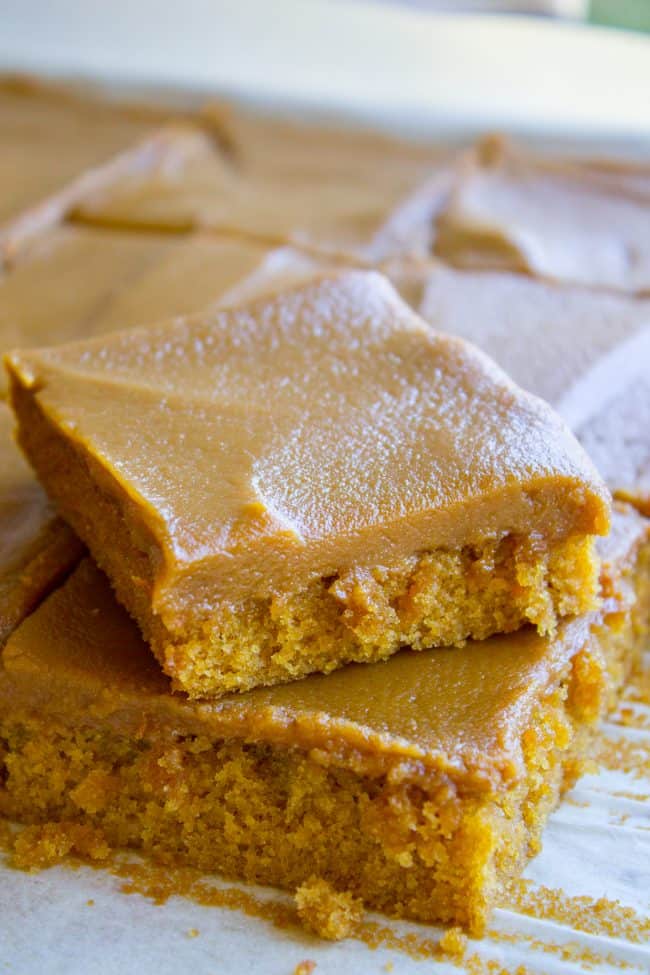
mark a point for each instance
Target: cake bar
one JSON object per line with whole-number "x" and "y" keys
{"x": 308, "y": 480}
{"x": 420, "y": 784}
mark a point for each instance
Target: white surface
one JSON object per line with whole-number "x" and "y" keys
{"x": 401, "y": 65}
{"x": 597, "y": 844}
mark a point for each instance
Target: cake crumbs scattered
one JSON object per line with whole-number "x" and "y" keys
{"x": 158, "y": 883}
{"x": 90, "y": 902}
{"x": 38, "y": 847}
{"x": 305, "y": 967}
{"x": 600, "y": 917}
{"x": 623, "y": 755}
{"x": 193, "y": 933}
{"x": 327, "y": 912}
{"x": 568, "y": 951}
{"x": 453, "y": 942}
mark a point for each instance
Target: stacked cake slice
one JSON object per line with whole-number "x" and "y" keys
{"x": 284, "y": 488}
{"x": 353, "y": 602}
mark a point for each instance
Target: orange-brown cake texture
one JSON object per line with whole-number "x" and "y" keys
{"x": 72, "y": 283}
{"x": 419, "y": 785}
{"x": 578, "y": 224}
{"x": 313, "y": 478}
{"x": 37, "y": 549}
{"x": 586, "y": 353}
{"x": 280, "y": 182}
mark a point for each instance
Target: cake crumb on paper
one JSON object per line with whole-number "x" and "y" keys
{"x": 41, "y": 846}
{"x": 453, "y": 942}
{"x": 305, "y": 967}
{"x": 327, "y": 912}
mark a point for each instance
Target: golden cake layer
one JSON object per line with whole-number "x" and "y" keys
{"x": 310, "y": 479}
{"x": 420, "y": 784}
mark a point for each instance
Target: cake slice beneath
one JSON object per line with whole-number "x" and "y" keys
{"x": 310, "y": 479}
{"x": 37, "y": 549}
{"x": 420, "y": 785}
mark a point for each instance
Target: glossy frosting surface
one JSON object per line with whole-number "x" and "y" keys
{"x": 73, "y": 283}
{"x": 280, "y": 182}
{"x": 462, "y": 710}
{"x": 558, "y": 222}
{"x": 281, "y": 439}
{"x": 587, "y": 353}
{"x": 49, "y": 137}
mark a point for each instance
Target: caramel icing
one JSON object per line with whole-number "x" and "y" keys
{"x": 586, "y": 353}
{"x": 569, "y": 223}
{"x": 51, "y": 142}
{"x": 36, "y": 548}
{"x": 285, "y": 184}
{"x": 74, "y": 282}
{"x": 273, "y": 443}
{"x": 80, "y": 658}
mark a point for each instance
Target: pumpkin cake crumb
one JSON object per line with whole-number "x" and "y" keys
{"x": 329, "y": 913}
{"x": 453, "y": 942}
{"x": 305, "y": 967}
{"x": 47, "y": 844}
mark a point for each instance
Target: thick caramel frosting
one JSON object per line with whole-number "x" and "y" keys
{"x": 255, "y": 448}
{"x": 52, "y": 144}
{"x": 312, "y": 189}
{"x": 586, "y": 353}
{"x": 74, "y": 283}
{"x": 80, "y": 659}
{"x": 566, "y": 223}
{"x": 36, "y": 548}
